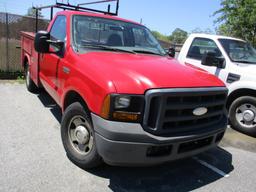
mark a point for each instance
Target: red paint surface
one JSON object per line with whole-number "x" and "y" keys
{"x": 94, "y": 75}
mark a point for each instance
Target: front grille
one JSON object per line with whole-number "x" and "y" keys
{"x": 170, "y": 111}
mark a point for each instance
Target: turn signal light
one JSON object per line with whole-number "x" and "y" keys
{"x": 105, "y": 108}
{"x": 125, "y": 116}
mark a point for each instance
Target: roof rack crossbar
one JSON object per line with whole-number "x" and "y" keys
{"x": 77, "y": 8}
{"x": 44, "y": 7}
{"x": 96, "y": 2}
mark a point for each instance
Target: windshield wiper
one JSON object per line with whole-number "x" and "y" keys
{"x": 105, "y": 47}
{"x": 147, "y": 52}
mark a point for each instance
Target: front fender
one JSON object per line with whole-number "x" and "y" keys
{"x": 92, "y": 94}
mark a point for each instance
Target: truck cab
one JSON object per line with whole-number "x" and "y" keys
{"x": 234, "y": 62}
{"x": 124, "y": 100}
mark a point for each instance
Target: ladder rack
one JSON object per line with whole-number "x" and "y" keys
{"x": 78, "y": 7}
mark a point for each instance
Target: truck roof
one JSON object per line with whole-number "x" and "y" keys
{"x": 106, "y": 16}
{"x": 215, "y": 37}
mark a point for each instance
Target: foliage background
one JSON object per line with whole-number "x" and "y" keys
{"x": 237, "y": 18}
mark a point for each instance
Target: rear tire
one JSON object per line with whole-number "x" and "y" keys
{"x": 78, "y": 137}
{"x": 31, "y": 86}
{"x": 242, "y": 115}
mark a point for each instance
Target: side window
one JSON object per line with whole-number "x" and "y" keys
{"x": 58, "y": 30}
{"x": 200, "y": 46}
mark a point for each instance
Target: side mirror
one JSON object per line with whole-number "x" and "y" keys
{"x": 210, "y": 59}
{"x": 171, "y": 52}
{"x": 41, "y": 42}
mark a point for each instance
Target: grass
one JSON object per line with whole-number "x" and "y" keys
{"x": 16, "y": 75}
{"x": 12, "y": 81}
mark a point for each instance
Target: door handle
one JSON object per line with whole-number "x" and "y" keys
{"x": 66, "y": 70}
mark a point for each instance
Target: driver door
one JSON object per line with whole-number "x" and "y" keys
{"x": 198, "y": 48}
{"x": 51, "y": 62}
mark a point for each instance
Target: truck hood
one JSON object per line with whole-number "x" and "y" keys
{"x": 136, "y": 73}
{"x": 247, "y": 71}
{"x": 247, "y": 68}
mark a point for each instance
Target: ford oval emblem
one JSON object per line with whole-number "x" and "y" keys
{"x": 200, "y": 111}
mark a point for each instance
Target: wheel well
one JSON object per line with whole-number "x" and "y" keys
{"x": 72, "y": 97}
{"x": 239, "y": 93}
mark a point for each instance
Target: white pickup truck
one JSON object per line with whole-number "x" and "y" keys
{"x": 234, "y": 62}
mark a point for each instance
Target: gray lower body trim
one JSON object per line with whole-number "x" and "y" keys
{"x": 127, "y": 143}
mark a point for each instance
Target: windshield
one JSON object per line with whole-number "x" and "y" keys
{"x": 239, "y": 51}
{"x": 93, "y": 33}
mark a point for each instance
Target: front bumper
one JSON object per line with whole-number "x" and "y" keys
{"x": 128, "y": 144}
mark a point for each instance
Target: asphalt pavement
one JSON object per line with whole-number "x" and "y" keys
{"x": 32, "y": 157}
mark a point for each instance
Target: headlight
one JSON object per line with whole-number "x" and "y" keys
{"x": 125, "y": 108}
{"x": 122, "y": 102}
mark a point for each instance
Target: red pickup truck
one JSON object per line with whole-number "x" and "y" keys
{"x": 124, "y": 100}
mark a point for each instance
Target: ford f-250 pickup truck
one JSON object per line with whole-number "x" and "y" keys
{"x": 124, "y": 100}
{"x": 234, "y": 62}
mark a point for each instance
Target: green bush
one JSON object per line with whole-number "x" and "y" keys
{"x": 19, "y": 75}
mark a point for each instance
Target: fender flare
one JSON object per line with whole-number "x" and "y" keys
{"x": 77, "y": 85}
{"x": 26, "y": 55}
{"x": 238, "y": 89}
{"x": 241, "y": 85}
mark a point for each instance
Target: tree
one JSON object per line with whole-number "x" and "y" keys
{"x": 160, "y": 36}
{"x": 178, "y": 36}
{"x": 32, "y": 13}
{"x": 223, "y": 29}
{"x": 237, "y": 18}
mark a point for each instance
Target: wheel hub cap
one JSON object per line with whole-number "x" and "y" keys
{"x": 248, "y": 115}
{"x": 82, "y": 135}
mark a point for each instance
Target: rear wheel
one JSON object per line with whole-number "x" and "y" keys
{"x": 31, "y": 86}
{"x": 78, "y": 137}
{"x": 242, "y": 114}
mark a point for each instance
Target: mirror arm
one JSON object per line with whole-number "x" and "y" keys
{"x": 54, "y": 42}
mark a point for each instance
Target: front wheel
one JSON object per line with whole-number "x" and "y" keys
{"x": 242, "y": 115}
{"x": 78, "y": 137}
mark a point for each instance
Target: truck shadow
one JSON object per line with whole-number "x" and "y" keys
{"x": 49, "y": 103}
{"x": 182, "y": 175}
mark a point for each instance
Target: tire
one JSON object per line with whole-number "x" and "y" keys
{"x": 242, "y": 115}
{"x": 31, "y": 86}
{"x": 78, "y": 137}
